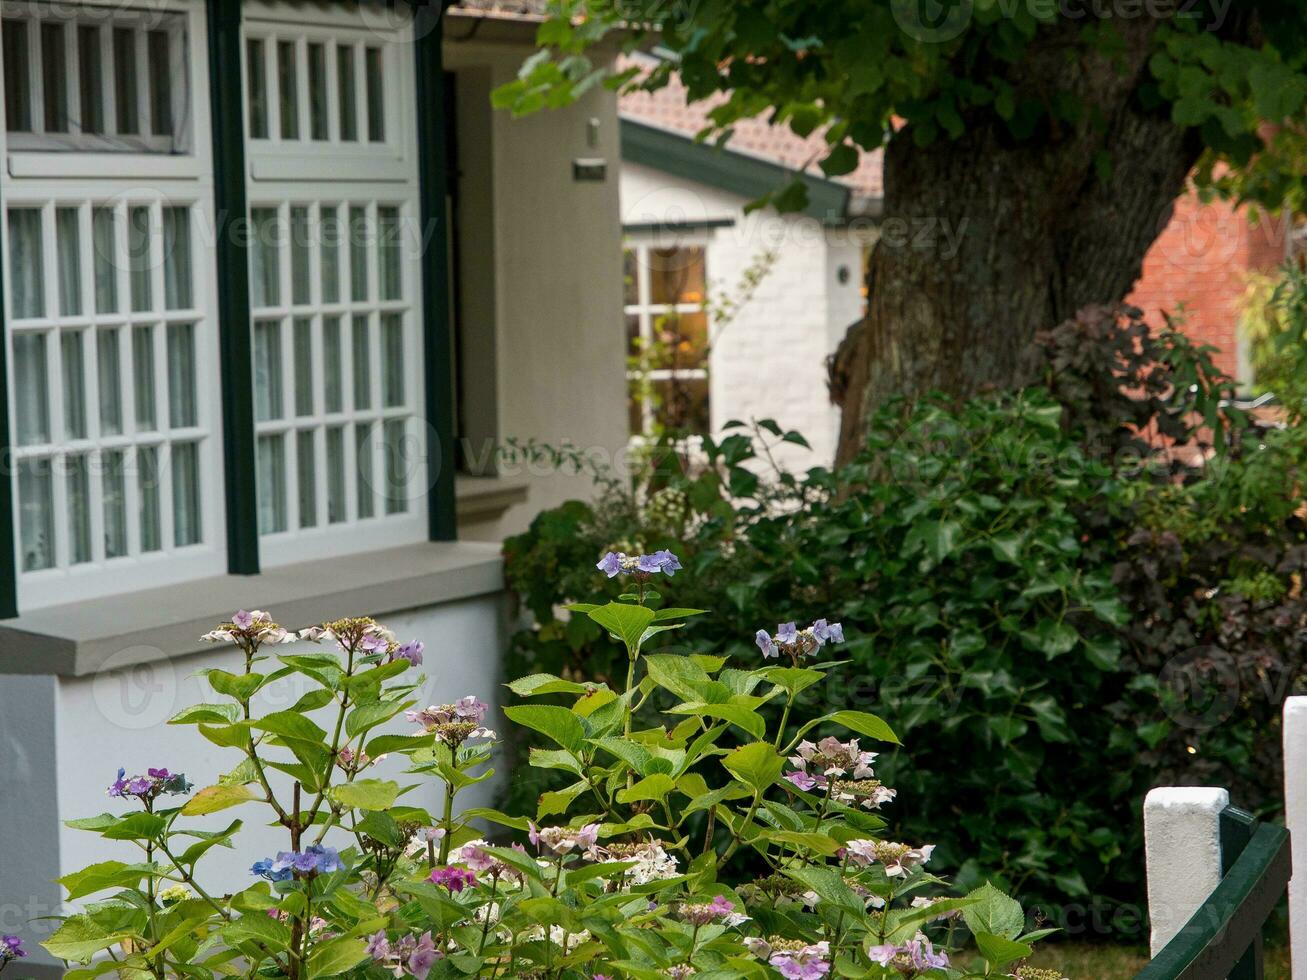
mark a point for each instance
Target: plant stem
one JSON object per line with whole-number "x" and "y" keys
{"x": 447, "y": 822}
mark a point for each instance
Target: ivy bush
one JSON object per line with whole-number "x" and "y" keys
{"x": 1071, "y": 592}
{"x": 698, "y": 840}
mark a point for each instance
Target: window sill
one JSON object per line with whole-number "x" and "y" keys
{"x": 155, "y": 624}
{"x": 486, "y": 498}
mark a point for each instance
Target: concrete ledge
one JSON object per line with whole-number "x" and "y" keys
{"x": 1182, "y": 848}
{"x": 156, "y": 624}
{"x": 485, "y": 498}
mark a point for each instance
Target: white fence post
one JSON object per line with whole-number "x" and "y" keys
{"x": 1182, "y": 846}
{"x": 1295, "y": 818}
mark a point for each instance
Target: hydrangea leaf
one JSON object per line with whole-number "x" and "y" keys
{"x": 626, "y": 622}
{"x": 999, "y": 951}
{"x": 757, "y": 764}
{"x": 558, "y": 724}
{"x": 211, "y": 799}
{"x": 993, "y": 912}
{"x": 336, "y": 956}
{"x": 80, "y": 938}
{"x": 366, "y": 794}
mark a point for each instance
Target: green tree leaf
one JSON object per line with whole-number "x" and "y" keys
{"x": 366, "y": 794}
{"x": 211, "y": 799}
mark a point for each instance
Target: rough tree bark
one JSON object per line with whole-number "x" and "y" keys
{"x": 1037, "y": 233}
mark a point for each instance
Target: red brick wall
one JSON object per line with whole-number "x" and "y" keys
{"x": 1200, "y": 260}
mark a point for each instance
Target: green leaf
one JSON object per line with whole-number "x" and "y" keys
{"x": 136, "y": 826}
{"x": 80, "y": 938}
{"x": 212, "y": 713}
{"x": 757, "y": 764}
{"x": 336, "y": 956}
{"x": 106, "y": 874}
{"x": 793, "y": 679}
{"x": 525, "y": 687}
{"x": 865, "y": 724}
{"x": 842, "y": 159}
{"x": 288, "y": 724}
{"x": 211, "y": 799}
{"x": 626, "y": 622}
{"x": 559, "y": 724}
{"x": 656, "y": 787}
{"x": 238, "y": 686}
{"x": 1000, "y": 951}
{"x": 368, "y": 716}
{"x": 676, "y": 612}
{"x": 685, "y": 678}
{"x": 366, "y": 794}
{"x": 830, "y": 886}
{"x": 741, "y": 715}
{"x": 993, "y": 912}
{"x": 938, "y": 539}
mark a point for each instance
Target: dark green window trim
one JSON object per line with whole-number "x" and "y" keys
{"x": 727, "y": 170}
{"x": 227, "y": 106}
{"x": 672, "y": 227}
{"x": 9, "y": 523}
{"x": 437, "y": 335}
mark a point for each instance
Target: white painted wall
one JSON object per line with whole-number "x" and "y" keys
{"x": 542, "y": 283}
{"x": 770, "y": 360}
{"x": 80, "y": 730}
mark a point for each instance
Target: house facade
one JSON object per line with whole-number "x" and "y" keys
{"x": 275, "y": 280}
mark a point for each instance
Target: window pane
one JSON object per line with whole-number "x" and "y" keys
{"x": 388, "y": 255}
{"x": 363, "y": 469}
{"x": 332, "y": 367}
{"x": 676, "y": 275}
{"x": 160, "y": 54}
{"x": 331, "y": 231}
{"x": 30, "y": 383}
{"x": 36, "y": 513}
{"x": 68, "y": 244}
{"x": 347, "y": 94}
{"x": 79, "y": 511}
{"x": 394, "y": 458}
{"x": 376, "y": 108}
{"x": 303, "y": 366}
{"x": 288, "y": 89}
{"x": 106, "y": 266}
{"x": 143, "y": 378}
{"x": 18, "y": 77}
{"x": 634, "y": 342}
{"x": 300, "y": 287}
{"x": 138, "y": 257}
{"x": 267, "y": 370}
{"x": 680, "y": 341}
{"x": 362, "y": 363}
{"x": 125, "y": 74}
{"x": 26, "y": 264}
{"x": 306, "y": 474}
{"x": 109, "y": 376}
{"x": 272, "y": 484}
{"x": 73, "y": 358}
{"x": 54, "y": 77}
{"x": 181, "y": 376}
{"x": 265, "y": 252}
{"x": 185, "y": 494}
{"x": 177, "y": 258}
{"x": 681, "y": 404}
{"x": 115, "y": 504}
{"x": 147, "y": 463}
{"x": 630, "y": 277}
{"x": 318, "y": 92}
{"x": 90, "y": 73}
{"x": 358, "y": 254}
{"x": 335, "y": 475}
{"x": 392, "y": 353}
{"x": 257, "y": 85}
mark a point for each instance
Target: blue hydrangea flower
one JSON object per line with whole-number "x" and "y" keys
{"x": 617, "y": 562}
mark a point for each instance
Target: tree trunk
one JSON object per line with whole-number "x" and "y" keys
{"x": 986, "y": 239}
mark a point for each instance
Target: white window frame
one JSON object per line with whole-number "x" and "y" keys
{"x": 304, "y": 172}
{"x": 118, "y": 179}
{"x": 642, "y": 243}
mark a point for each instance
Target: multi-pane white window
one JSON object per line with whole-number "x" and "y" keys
{"x": 335, "y": 282}
{"x": 109, "y": 290}
{"x": 94, "y": 77}
{"x": 667, "y": 334}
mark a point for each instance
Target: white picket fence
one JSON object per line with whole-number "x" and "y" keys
{"x": 1183, "y": 844}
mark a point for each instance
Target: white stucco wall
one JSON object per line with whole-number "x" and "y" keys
{"x": 542, "y": 277}
{"x": 769, "y": 361}
{"x": 65, "y": 737}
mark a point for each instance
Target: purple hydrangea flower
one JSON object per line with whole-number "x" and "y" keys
{"x": 798, "y": 643}
{"x": 411, "y": 651}
{"x": 809, "y": 963}
{"x": 154, "y": 783}
{"x": 455, "y": 879}
{"x": 11, "y": 948}
{"x": 614, "y": 563}
{"x": 313, "y": 860}
{"x": 765, "y": 644}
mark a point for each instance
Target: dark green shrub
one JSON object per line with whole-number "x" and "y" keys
{"x": 1028, "y": 586}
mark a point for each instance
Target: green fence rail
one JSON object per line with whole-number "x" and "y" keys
{"x": 1224, "y": 937}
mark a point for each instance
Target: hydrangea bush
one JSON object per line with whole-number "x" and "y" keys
{"x": 707, "y": 845}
